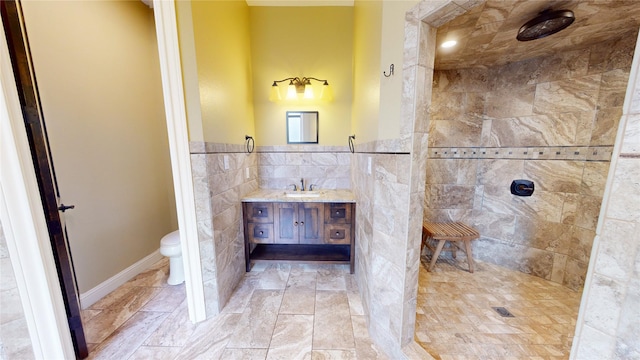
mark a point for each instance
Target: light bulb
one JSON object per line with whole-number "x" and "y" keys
{"x": 308, "y": 91}
{"x": 275, "y": 93}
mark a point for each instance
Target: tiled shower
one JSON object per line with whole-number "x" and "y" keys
{"x": 552, "y": 120}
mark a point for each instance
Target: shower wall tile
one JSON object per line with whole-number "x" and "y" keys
{"x": 608, "y": 327}
{"x": 552, "y": 120}
{"x": 631, "y": 143}
{"x": 555, "y": 176}
{"x": 571, "y": 95}
{"x": 510, "y": 102}
{"x": 605, "y": 126}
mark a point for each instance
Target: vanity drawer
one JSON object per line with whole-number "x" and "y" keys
{"x": 337, "y": 234}
{"x": 260, "y": 233}
{"x": 259, "y": 212}
{"x": 337, "y": 213}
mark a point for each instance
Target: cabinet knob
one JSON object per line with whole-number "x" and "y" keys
{"x": 301, "y": 222}
{"x": 261, "y": 232}
{"x": 337, "y": 212}
{"x": 337, "y": 233}
{"x": 295, "y": 223}
{"x": 259, "y": 211}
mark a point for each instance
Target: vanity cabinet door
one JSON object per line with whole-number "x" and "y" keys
{"x": 286, "y": 223}
{"x": 311, "y": 223}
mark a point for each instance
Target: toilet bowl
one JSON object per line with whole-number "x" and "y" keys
{"x": 170, "y": 247}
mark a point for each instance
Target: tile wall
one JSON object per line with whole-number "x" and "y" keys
{"x": 218, "y": 190}
{"x": 389, "y": 195}
{"x": 551, "y": 120}
{"x": 609, "y": 321}
{"x": 327, "y": 167}
{"x": 15, "y": 342}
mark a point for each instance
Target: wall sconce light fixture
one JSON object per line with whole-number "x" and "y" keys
{"x": 300, "y": 86}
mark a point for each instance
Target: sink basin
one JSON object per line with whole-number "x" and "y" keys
{"x": 302, "y": 194}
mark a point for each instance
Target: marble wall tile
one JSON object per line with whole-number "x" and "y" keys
{"x": 576, "y": 94}
{"x": 538, "y": 130}
{"x": 450, "y": 196}
{"x": 628, "y": 332}
{"x": 555, "y": 176}
{"x": 512, "y": 102}
{"x": 605, "y": 300}
{"x": 595, "y": 345}
{"x": 616, "y": 254}
{"x": 616, "y": 53}
{"x": 624, "y": 203}
{"x": 605, "y": 126}
{"x": 544, "y": 235}
{"x": 631, "y": 142}
{"x": 574, "y": 274}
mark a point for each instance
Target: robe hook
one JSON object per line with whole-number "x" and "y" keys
{"x": 390, "y": 71}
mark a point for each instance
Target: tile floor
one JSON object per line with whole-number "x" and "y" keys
{"x": 455, "y": 319}
{"x": 314, "y": 312}
{"x": 277, "y": 312}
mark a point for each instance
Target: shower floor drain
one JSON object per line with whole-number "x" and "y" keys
{"x": 503, "y": 312}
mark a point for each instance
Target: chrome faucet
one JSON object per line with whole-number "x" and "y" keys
{"x": 302, "y": 184}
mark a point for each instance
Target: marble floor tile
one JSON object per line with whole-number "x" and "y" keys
{"x": 333, "y": 355}
{"x": 455, "y": 319}
{"x": 282, "y": 311}
{"x": 298, "y": 302}
{"x": 331, "y": 279}
{"x": 258, "y": 320}
{"x": 244, "y": 354}
{"x": 175, "y": 330}
{"x": 292, "y": 338}
{"x": 127, "y": 338}
{"x": 332, "y": 327}
{"x": 167, "y": 300}
{"x": 155, "y": 353}
{"x": 209, "y": 340}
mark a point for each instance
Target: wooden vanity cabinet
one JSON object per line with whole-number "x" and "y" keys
{"x": 299, "y": 223}
{"x": 299, "y": 231}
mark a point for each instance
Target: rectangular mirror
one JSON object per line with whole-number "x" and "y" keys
{"x": 302, "y": 127}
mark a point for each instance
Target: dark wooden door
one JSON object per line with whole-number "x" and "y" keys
{"x": 39, "y": 144}
{"x": 311, "y": 223}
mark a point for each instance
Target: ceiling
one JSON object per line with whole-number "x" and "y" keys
{"x": 486, "y": 34}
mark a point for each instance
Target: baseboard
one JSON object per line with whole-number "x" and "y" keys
{"x": 90, "y": 297}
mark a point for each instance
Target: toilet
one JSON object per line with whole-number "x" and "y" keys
{"x": 170, "y": 247}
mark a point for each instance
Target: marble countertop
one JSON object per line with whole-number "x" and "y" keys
{"x": 270, "y": 195}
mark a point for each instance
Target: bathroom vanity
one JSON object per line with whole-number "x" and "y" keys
{"x": 300, "y": 226}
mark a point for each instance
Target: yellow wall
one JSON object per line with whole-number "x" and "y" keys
{"x": 392, "y": 39}
{"x": 366, "y": 69}
{"x": 378, "y": 43}
{"x": 97, "y": 67}
{"x": 223, "y": 55}
{"x": 302, "y": 41}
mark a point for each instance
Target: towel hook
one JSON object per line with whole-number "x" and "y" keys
{"x": 351, "y": 145}
{"x": 390, "y": 71}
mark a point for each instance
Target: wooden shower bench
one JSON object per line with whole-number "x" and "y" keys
{"x": 449, "y": 231}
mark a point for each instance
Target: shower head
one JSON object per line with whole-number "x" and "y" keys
{"x": 547, "y": 23}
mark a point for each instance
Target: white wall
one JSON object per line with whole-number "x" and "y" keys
{"x": 98, "y": 74}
